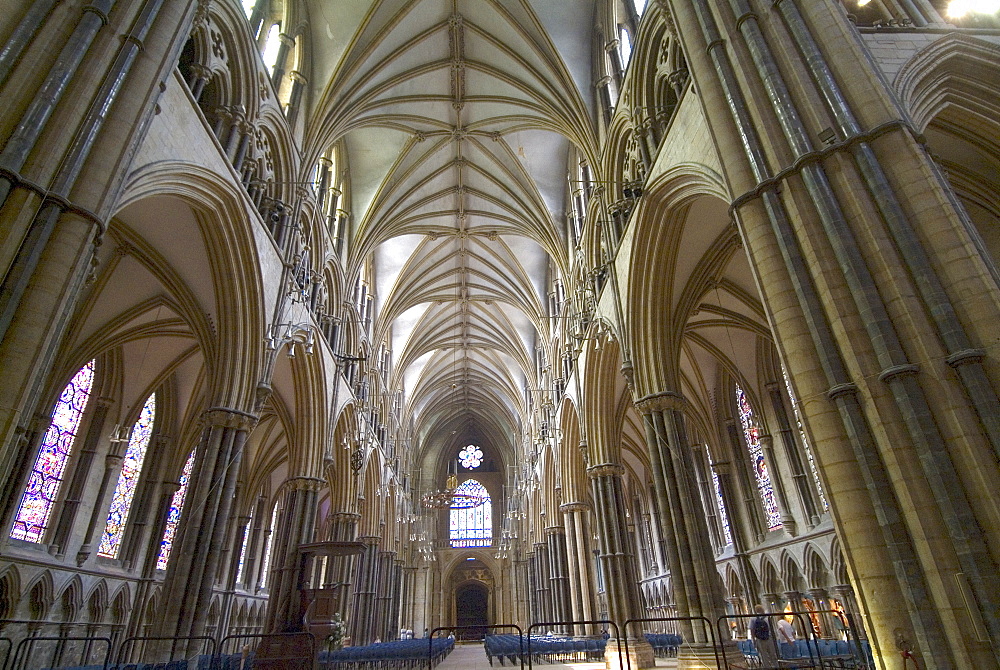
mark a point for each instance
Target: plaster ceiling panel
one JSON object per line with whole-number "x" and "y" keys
{"x": 570, "y": 26}
{"x": 333, "y": 27}
{"x": 371, "y": 153}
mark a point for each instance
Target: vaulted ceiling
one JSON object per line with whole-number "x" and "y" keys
{"x": 456, "y": 118}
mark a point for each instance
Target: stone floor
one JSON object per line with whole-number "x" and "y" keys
{"x": 473, "y": 657}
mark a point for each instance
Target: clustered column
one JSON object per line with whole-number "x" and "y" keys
{"x": 190, "y": 578}
{"x": 698, "y": 589}
{"x": 617, "y": 561}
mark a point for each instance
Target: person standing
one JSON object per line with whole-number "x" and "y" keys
{"x": 763, "y": 639}
{"x": 786, "y": 631}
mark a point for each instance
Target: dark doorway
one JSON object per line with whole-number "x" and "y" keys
{"x": 471, "y": 602}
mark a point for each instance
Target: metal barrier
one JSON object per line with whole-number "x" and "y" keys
{"x": 815, "y": 654}
{"x": 8, "y": 646}
{"x": 605, "y": 622}
{"x": 430, "y": 637}
{"x": 707, "y": 625}
{"x": 26, "y": 649}
{"x": 281, "y": 651}
{"x": 126, "y": 648}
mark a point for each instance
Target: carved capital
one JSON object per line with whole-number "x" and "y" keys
{"x": 606, "y": 470}
{"x": 661, "y": 402}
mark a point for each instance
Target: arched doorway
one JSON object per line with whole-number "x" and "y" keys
{"x": 471, "y": 609}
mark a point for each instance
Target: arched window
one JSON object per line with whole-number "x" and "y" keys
{"x": 271, "y": 45}
{"x": 121, "y": 501}
{"x": 723, "y": 517}
{"x": 243, "y": 549}
{"x": 267, "y": 547}
{"x": 470, "y": 457}
{"x": 248, "y": 6}
{"x": 472, "y": 526}
{"x": 624, "y": 45}
{"x": 640, "y": 6}
{"x": 751, "y": 432}
{"x": 174, "y": 515}
{"x": 805, "y": 441}
{"x": 33, "y": 513}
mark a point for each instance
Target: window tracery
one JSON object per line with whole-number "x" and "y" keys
{"x": 40, "y": 495}
{"x": 128, "y": 480}
{"x": 472, "y": 526}
{"x": 760, "y": 469}
{"x": 174, "y": 515}
{"x": 470, "y": 457}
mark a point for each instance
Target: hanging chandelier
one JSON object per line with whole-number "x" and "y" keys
{"x": 451, "y": 497}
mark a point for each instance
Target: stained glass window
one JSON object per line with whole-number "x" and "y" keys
{"x": 174, "y": 515}
{"x": 243, "y": 549}
{"x": 267, "y": 547}
{"x": 805, "y": 442}
{"x": 121, "y": 501}
{"x": 752, "y": 433}
{"x": 472, "y": 526}
{"x": 723, "y": 517}
{"x": 470, "y": 457}
{"x": 32, "y": 516}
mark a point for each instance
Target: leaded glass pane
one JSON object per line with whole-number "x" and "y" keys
{"x": 805, "y": 442}
{"x": 472, "y": 526}
{"x": 470, "y": 457}
{"x": 723, "y": 517}
{"x": 121, "y": 501}
{"x": 243, "y": 549}
{"x": 33, "y": 513}
{"x": 174, "y": 515}
{"x": 267, "y": 547}
{"x": 752, "y": 433}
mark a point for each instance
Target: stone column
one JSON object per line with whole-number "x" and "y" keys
{"x": 190, "y": 579}
{"x": 543, "y": 583}
{"x": 362, "y": 617}
{"x": 286, "y": 607}
{"x": 698, "y": 589}
{"x": 558, "y": 573}
{"x": 618, "y": 564}
{"x": 581, "y": 574}
{"x": 845, "y": 594}
{"x": 340, "y": 569}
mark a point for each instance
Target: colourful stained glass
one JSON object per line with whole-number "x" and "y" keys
{"x": 174, "y": 515}
{"x": 752, "y": 433}
{"x": 723, "y": 517}
{"x": 470, "y": 457}
{"x": 805, "y": 442}
{"x": 121, "y": 501}
{"x": 472, "y": 526}
{"x": 32, "y": 516}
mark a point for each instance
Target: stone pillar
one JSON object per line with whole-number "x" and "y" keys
{"x": 190, "y": 579}
{"x": 581, "y": 573}
{"x": 340, "y": 569}
{"x": 543, "y": 584}
{"x": 855, "y": 625}
{"x": 738, "y": 531}
{"x": 286, "y": 607}
{"x": 362, "y": 618}
{"x": 698, "y": 589}
{"x": 618, "y": 564}
{"x": 558, "y": 573}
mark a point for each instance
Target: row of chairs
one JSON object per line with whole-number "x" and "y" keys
{"x": 551, "y": 649}
{"x": 395, "y": 655}
{"x": 814, "y": 654}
